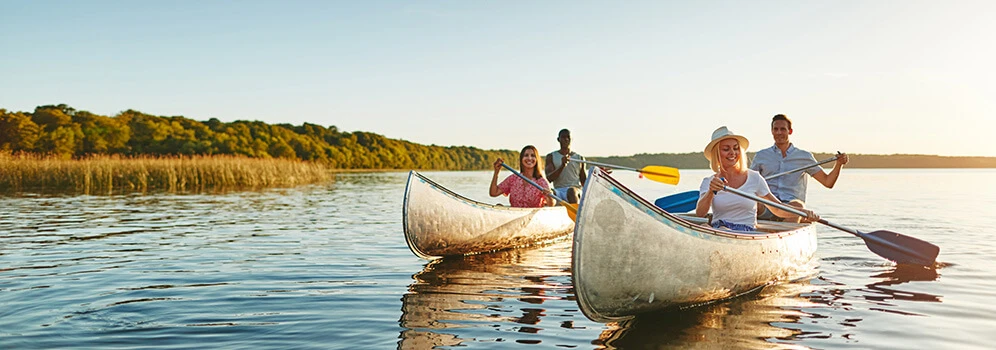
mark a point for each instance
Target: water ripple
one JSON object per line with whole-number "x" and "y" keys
{"x": 326, "y": 266}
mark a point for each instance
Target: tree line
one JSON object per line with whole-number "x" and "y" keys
{"x": 65, "y": 132}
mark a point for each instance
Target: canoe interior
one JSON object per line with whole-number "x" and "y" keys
{"x": 764, "y": 226}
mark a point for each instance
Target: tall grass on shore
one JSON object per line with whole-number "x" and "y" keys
{"x": 103, "y": 174}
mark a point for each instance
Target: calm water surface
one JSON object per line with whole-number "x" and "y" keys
{"x": 326, "y": 266}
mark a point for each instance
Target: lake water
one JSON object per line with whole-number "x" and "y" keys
{"x": 326, "y": 266}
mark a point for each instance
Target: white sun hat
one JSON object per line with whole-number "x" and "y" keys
{"x": 721, "y": 134}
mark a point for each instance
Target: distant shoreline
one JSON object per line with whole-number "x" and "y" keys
{"x": 695, "y": 160}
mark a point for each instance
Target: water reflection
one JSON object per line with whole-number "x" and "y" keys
{"x": 510, "y": 290}
{"x": 784, "y": 315}
{"x": 456, "y": 301}
{"x": 753, "y": 321}
{"x": 889, "y": 287}
{"x": 282, "y": 265}
{"x": 899, "y": 275}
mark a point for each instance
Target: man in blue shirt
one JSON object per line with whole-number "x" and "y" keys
{"x": 784, "y": 156}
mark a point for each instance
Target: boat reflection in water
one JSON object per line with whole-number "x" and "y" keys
{"x": 780, "y": 315}
{"x": 520, "y": 293}
{"x": 750, "y": 321}
{"x": 526, "y": 296}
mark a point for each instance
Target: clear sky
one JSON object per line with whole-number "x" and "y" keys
{"x": 626, "y": 77}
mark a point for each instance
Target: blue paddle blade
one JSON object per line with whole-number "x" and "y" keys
{"x": 678, "y": 202}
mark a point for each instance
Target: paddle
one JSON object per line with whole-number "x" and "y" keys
{"x": 572, "y": 209}
{"x": 657, "y": 173}
{"x": 890, "y": 245}
{"x": 828, "y": 160}
{"x": 679, "y": 202}
{"x": 685, "y": 201}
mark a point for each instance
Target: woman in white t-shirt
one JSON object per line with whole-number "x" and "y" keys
{"x": 726, "y": 153}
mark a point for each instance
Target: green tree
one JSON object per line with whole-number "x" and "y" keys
{"x": 63, "y": 141}
{"x": 280, "y": 149}
{"x": 18, "y": 132}
{"x": 102, "y": 134}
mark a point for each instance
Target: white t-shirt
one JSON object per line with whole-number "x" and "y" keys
{"x": 733, "y": 208}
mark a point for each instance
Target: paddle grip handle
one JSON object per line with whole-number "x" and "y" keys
{"x": 722, "y": 178}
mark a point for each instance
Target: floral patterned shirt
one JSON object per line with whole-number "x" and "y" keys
{"x": 521, "y": 194}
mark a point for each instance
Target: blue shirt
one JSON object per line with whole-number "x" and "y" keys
{"x": 769, "y": 161}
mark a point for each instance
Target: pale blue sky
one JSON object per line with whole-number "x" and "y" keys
{"x": 626, "y": 77}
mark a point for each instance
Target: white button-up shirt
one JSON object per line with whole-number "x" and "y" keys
{"x": 769, "y": 161}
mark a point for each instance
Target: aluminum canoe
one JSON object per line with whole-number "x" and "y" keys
{"x": 631, "y": 257}
{"x": 439, "y": 222}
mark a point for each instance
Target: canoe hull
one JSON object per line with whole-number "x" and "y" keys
{"x": 630, "y": 257}
{"x": 439, "y": 222}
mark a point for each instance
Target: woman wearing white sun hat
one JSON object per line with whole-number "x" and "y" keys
{"x": 727, "y": 154}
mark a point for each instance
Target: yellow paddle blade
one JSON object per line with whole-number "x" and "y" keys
{"x": 661, "y": 173}
{"x": 572, "y": 210}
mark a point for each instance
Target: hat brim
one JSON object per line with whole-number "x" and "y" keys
{"x": 740, "y": 139}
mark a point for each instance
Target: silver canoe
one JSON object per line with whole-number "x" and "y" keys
{"x": 439, "y": 222}
{"x": 631, "y": 257}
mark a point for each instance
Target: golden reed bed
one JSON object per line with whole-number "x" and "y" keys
{"x": 102, "y": 174}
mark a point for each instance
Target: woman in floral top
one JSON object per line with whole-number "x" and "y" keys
{"x": 520, "y": 193}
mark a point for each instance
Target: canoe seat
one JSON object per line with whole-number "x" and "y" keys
{"x": 777, "y": 226}
{"x": 705, "y": 221}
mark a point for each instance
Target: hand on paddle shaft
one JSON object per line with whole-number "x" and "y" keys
{"x": 887, "y": 244}
{"x": 500, "y": 163}
{"x": 572, "y": 209}
{"x": 685, "y": 201}
{"x": 840, "y": 157}
{"x": 719, "y": 184}
{"x": 565, "y": 160}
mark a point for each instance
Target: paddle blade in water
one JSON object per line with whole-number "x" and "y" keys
{"x": 679, "y": 202}
{"x": 901, "y": 248}
{"x": 661, "y": 173}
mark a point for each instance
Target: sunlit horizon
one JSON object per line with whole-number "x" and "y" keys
{"x": 860, "y": 77}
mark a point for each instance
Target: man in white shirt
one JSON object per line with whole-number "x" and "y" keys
{"x": 784, "y": 156}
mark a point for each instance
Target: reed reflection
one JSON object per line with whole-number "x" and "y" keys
{"x": 509, "y": 289}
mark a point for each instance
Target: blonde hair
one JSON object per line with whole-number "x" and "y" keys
{"x": 716, "y": 162}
